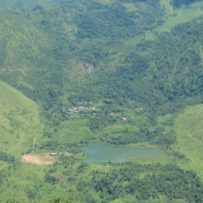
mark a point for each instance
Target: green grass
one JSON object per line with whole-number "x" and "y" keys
{"x": 189, "y": 132}
{"x": 19, "y": 120}
{"x": 151, "y": 160}
{"x": 73, "y": 131}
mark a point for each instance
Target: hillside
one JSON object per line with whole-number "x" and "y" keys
{"x": 129, "y": 60}
{"x": 20, "y": 121}
{"x": 189, "y": 137}
{"x": 124, "y": 73}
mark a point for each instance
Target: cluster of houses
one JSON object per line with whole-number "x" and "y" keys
{"x": 124, "y": 118}
{"x": 65, "y": 154}
{"x": 82, "y": 109}
{"x": 86, "y": 108}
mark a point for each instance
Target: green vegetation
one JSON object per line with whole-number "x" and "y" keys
{"x": 124, "y": 72}
{"x": 20, "y": 121}
{"x": 141, "y": 182}
{"x": 189, "y": 131}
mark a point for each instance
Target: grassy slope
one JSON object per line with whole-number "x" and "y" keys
{"x": 173, "y": 17}
{"x": 19, "y": 120}
{"x": 189, "y": 132}
{"x": 19, "y": 125}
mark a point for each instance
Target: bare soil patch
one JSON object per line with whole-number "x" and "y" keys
{"x": 39, "y": 160}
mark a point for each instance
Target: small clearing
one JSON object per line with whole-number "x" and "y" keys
{"x": 38, "y": 159}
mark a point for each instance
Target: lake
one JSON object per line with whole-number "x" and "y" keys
{"x": 103, "y": 152}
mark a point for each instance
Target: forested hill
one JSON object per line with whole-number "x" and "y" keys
{"x": 177, "y": 3}
{"x": 66, "y": 53}
{"x": 116, "y": 71}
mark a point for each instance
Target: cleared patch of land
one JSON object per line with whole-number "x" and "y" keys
{"x": 38, "y": 160}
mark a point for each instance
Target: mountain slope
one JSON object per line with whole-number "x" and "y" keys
{"x": 189, "y": 133}
{"x": 19, "y": 121}
{"x": 117, "y": 71}
{"x": 118, "y": 57}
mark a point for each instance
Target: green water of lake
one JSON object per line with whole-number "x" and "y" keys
{"x": 103, "y": 152}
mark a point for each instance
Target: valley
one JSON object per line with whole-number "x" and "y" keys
{"x": 101, "y": 101}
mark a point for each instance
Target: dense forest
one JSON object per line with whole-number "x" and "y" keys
{"x": 120, "y": 72}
